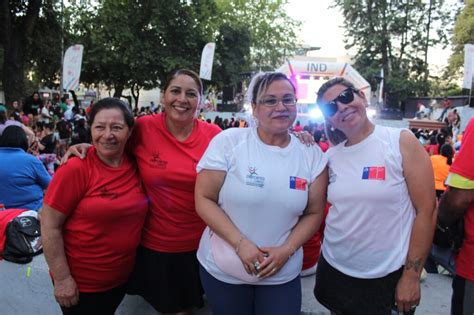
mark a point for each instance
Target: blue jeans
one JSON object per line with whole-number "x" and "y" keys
{"x": 237, "y": 299}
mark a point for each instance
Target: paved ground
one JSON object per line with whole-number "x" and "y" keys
{"x": 23, "y": 295}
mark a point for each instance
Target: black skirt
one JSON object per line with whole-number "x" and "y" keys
{"x": 343, "y": 294}
{"x": 168, "y": 281}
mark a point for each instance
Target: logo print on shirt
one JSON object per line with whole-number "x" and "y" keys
{"x": 157, "y": 162}
{"x": 252, "y": 178}
{"x": 373, "y": 172}
{"x": 298, "y": 183}
{"x": 105, "y": 193}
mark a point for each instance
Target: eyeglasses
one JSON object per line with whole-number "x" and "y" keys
{"x": 272, "y": 101}
{"x": 329, "y": 109}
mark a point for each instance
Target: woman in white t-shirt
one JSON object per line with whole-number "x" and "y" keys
{"x": 262, "y": 194}
{"x": 380, "y": 225}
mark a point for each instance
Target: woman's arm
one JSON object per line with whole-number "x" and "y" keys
{"x": 208, "y": 185}
{"x": 307, "y": 225}
{"x": 418, "y": 174}
{"x": 65, "y": 288}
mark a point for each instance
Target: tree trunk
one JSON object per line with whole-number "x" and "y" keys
{"x": 15, "y": 35}
{"x": 13, "y": 71}
{"x": 118, "y": 89}
{"x": 135, "y": 93}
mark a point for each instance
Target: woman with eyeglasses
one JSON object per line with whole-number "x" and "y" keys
{"x": 262, "y": 194}
{"x": 380, "y": 225}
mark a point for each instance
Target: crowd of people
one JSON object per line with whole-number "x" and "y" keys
{"x": 162, "y": 204}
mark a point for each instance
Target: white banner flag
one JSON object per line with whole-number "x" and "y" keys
{"x": 468, "y": 66}
{"x": 72, "y": 67}
{"x": 207, "y": 59}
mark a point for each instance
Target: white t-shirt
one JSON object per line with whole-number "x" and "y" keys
{"x": 264, "y": 193}
{"x": 369, "y": 224}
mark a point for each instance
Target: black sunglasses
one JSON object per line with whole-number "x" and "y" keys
{"x": 329, "y": 109}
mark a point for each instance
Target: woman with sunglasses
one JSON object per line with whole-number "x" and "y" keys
{"x": 262, "y": 194}
{"x": 380, "y": 225}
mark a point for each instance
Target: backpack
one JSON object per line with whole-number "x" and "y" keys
{"x": 23, "y": 240}
{"x": 451, "y": 236}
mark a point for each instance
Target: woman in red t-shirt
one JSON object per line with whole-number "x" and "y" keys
{"x": 92, "y": 217}
{"x": 167, "y": 148}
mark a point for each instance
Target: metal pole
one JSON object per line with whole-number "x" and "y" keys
{"x": 470, "y": 96}
{"x": 62, "y": 51}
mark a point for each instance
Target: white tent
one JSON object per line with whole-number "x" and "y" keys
{"x": 310, "y": 73}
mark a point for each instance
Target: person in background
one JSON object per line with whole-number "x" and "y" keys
{"x": 24, "y": 177}
{"x": 457, "y": 203}
{"x": 47, "y": 148}
{"x": 93, "y": 216}
{"x": 297, "y": 127}
{"x": 31, "y": 107}
{"x": 167, "y": 148}
{"x": 380, "y": 225}
{"x": 441, "y": 164}
{"x": 16, "y": 113}
{"x": 4, "y": 123}
{"x": 446, "y": 106}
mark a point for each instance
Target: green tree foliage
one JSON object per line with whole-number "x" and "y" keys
{"x": 272, "y": 31}
{"x": 463, "y": 34}
{"x": 231, "y": 59}
{"x": 395, "y": 35}
{"x": 134, "y": 44}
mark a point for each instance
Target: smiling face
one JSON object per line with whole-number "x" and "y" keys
{"x": 181, "y": 99}
{"x": 349, "y": 117}
{"x": 110, "y": 133}
{"x": 276, "y": 119}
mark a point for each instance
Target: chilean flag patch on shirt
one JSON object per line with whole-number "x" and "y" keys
{"x": 374, "y": 172}
{"x": 298, "y": 183}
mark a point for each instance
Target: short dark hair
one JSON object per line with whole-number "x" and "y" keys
{"x": 335, "y": 136}
{"x": 447, "y": 151}
{"x": 334, "y": 81}
{"x": 190, "y": 73}
{"x": 14, "y": 137}
{"x": 261, "y": 81}
{"x": 112, "y": 103}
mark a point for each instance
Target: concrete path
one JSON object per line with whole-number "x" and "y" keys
{"x": 25, "y": 293}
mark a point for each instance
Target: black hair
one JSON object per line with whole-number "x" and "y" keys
{"x": 112, "y": 103}
{"x": 193, "y": 75}
{"x": 14, "y": 137}
{"x": 447, "y": 151}
{"x": 3, "y": 116}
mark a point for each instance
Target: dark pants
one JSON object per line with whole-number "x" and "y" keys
{"x": 97, "y": 303}
{"x": 239, "y": 299}
{"x": 462, "y": 302}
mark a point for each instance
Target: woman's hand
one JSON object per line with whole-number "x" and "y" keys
{"x": 407, "y": 294}
{"x": 79, "y": 150}
{"x": 276, "y": 258}
{"x": 251, "y": 256}
{"x": 66, "y": 292}
{"x": 305, "y": 137}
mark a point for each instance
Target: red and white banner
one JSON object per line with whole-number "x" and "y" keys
{"x": 207, "y": 59}
{"x": 72, "y": 67}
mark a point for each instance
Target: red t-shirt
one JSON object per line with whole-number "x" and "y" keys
{"x": 106, "y": 208}
{"x": 168, "y": 170}
{"x": 464, "y": 166}
{"x": 312, "y": 247}
{"x": 5, "y": 217}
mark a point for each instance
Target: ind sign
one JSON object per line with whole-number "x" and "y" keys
{"x": 316, "y": 67}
